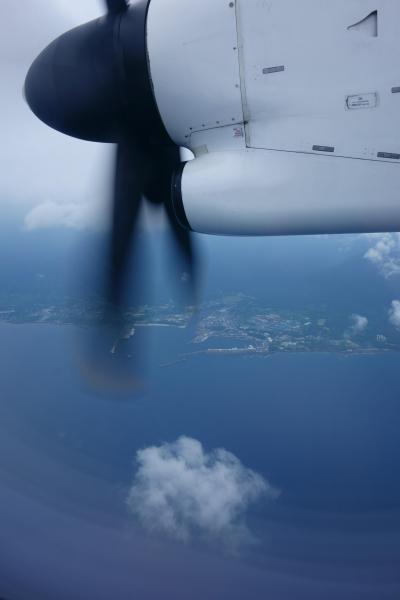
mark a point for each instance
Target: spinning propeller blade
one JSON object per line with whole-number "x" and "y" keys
{"x": 93, "y": 83}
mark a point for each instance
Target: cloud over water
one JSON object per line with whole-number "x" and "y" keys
{"x": 184, "y": 492}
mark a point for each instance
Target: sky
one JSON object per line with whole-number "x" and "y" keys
{"x": 40, "y": 167}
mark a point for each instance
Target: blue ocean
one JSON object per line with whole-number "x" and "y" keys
{"x": 321, "y": 428}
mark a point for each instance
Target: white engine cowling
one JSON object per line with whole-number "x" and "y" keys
{"x": 263, "y": 192}
{"x": 292, "y": 109}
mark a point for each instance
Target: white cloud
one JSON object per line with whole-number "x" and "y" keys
{"x": 385, "y": 253}
{"x": 51, "y": 214}
{"x": 79, "y": 216}
{"x": 394, "y": 314}
{"x": 359, "y": 324}
{"x": 182, "y": 491}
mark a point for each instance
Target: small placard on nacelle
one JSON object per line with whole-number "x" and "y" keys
{"x": 362, "y": 101}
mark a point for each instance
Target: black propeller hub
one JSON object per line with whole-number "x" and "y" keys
{"x": 93, "y": 82}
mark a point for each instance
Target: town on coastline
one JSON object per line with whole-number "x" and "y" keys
{"x": 236, "y": 325}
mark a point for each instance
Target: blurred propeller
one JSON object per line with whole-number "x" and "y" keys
{"x": 116, "y": 5}
{"x": 93, "y": 83}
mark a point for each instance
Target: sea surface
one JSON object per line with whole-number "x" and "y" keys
{"x": 321, "y": 428}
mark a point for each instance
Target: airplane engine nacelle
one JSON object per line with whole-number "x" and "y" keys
{"x": 263, "y": 192}
{"x": 292, "y": 109}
